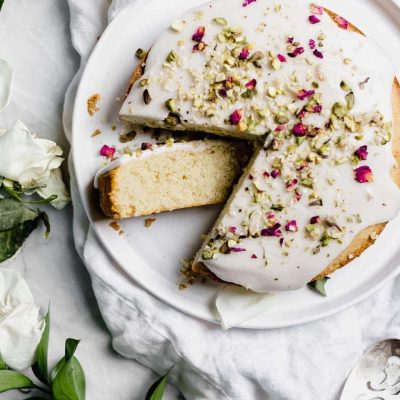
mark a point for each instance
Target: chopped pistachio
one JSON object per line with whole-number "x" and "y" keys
{"x": 143, "y": 82}
{"x": 140, "y": 53}
{"x": 350, "y": 100}
{"x": 339, "y": 110}
{"x": 171, "y": 105}
{"x": 344, "y": 86}
{"x": 220, "y": 21}
{"x": 172, "y": 56}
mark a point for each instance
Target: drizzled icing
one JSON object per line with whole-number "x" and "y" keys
{"x": 323, "y": 96}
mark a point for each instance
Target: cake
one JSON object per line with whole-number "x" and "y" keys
{"x": 167, "y": 177}
{"x": 322, "y": 100}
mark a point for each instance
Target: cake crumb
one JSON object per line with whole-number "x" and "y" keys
{"x": 148, "y": 222}
{"x": 92, "y": 104}
{"x": 96, "y": 133}
{"x": 115, "y": 225}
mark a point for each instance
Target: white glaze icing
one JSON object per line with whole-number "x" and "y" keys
{"x": 264, "y": 263}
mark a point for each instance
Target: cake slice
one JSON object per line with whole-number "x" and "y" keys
{"x": 169, "y": 177}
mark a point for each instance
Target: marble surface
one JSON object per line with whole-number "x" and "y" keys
{"x": 36, "y": 42}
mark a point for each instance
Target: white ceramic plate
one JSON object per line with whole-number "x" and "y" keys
{"x": 152, "y": 255}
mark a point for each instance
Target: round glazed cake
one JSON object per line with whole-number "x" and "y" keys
{"x": 323, "y": 103}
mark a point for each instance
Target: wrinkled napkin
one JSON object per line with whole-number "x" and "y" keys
{"x": 307, "y": 362}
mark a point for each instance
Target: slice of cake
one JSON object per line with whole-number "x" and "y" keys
{"x": 318, "y": 193}
{"x": 169, "y": 177}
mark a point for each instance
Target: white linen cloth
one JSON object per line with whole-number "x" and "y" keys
{"x": 308, "y": 362}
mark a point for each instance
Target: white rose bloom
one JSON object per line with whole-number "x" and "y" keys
{"x": 21, "y": 325}
{"x": 5, "y": 84}
{"x": 32, "y": 162}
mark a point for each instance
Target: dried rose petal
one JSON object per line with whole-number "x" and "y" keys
{"x": 362, "y": 153}
{"x": 363, "y": 174}
{"x": 316, "y": 9}
{"x": 232, "y": 229}
{"x": 251, "y": 177}
{"x": 318, "y": 54}
{"x": 290, "y": 39}
{"x": 236, "y": 117}
{"x": 107, "y": 151}
{"x": 296, "y": 52}
{"x": 247, "y": 2}
{"x": 271, "y": 215}
{"x": 244, "y": 54}
{"x": 305, "y": 94}
{"x": 317, "y": 108}
{"x": 237, "y": 249}
{"x": 275, "y": 173}
{"x": 199, "y": 34}
{"x": 146, "y": 146}
{"x": 312, "y": 44}
{"x": 273, "y": 231}
{"x": 297, "y": 195}
{"x": 302, "y": 113}
{"x": 281, "y": 58}
{"x": 265, "y": 174}
{"x": 343, "y": 23}
{"x": 291, "y": 185}
{"x": 314, "y": 19}
{"x": 315, "y": 220}
{"x": 299, "y": 130}
{"x": 253, "y": 256}
{"x": 251, "y": 85}
{"x": 280, "y": 128}
{"x": 291, "y": 226}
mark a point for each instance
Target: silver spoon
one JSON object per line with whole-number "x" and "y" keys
{"x": 376, "y": 376}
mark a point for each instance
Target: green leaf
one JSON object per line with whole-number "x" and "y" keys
{"x": 2, "y": 364}
{"x": 12, "y": 240}
{"x": 41, "y": 201}
{"x": 10, "y": 380}
{"x": 12, "y": 193}
{"x": 1, "y": 3}
{"x": 156, "y": 391}
{"x": 69, "y": 381}
{"x": 68, "y": 376}
{"x": 40, "y": 368}
{"x": 46, "y": 222}
{"x": 70, "y": 348}
{"x": 13, "y": 213}
{"x": 319, "y": 285}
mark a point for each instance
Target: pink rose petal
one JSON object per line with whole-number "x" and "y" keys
{"x": 247, "y": 2}
{"x": 362, "y": 153}
{"x": 291, "y": 226}
{"x": 236, "y": 117}
{"x": 281, "y": 58}
{"x": 273, "y": 231}
{"x": 107, "y": 151}
{"x": 343, "y": 23}
{"x": 244, "y": 54}
{"x": 199, "y": 34}
{"x": 363, "y": 174}
{"x": 299, "y": 130}
{"x": 314, "y": 19}
{"x": 251, "y": 85}
{"x": 305, "y": 94}
{"x": 316, "y": 9}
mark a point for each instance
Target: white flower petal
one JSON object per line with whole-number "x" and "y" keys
{"x": 21, "y": 325}
{"x": 55, "y": 185}
{"x": 25, "y": 159}
{"x": 5, "y": 84}
{"x": 236, "y": 304}
{"x": 20, "y": 333}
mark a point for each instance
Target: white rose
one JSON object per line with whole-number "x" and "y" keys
{"x": 5, "y": 84}
{"x": 21, "y": 325}
{"x": 32, "y": 162}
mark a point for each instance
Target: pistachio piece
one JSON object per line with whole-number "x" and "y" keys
{"x": 172, "y": 120}
{"x": 140, "y": 53}
{"x": 220, "y": 21}
{"x": 171, "y": 105}
{"x": 281, "y": 118}
{"x": 143, "y": 82}
{"x": 172, "y": 56}
{"x": 344, "y": 86}
{"x": 339, "y": 110}
{"x": 350, "y": 100}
